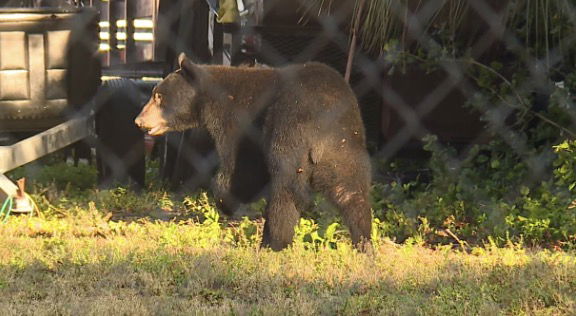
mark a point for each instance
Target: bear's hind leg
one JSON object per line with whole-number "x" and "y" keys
{"x": 353, "y": 203}
{"x": 347, "y": 187}
{"x": 280, "y": 219}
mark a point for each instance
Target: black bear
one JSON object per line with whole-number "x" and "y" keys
{"x": 305, "y": 122}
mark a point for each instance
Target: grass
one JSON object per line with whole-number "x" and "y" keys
{"x": 116, "y": 252}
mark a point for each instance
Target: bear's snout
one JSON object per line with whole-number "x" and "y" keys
{"x": 138, "y": 122}
{"x": 151, "y": 120}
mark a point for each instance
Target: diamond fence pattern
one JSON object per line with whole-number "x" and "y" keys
{"x": 470, "y": 72}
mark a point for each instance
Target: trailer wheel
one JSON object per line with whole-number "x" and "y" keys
{"x": 188, "y": 159}
{"x": 120, "y": 147}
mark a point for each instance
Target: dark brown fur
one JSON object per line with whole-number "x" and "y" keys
{"x": 304, "y": 123}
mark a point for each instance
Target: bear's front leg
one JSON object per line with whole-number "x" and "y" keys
{"x": 225, "y": 201}
{"x": 222, "y": 182}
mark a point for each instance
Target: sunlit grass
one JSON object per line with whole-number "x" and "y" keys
{"x": 85, "y": 263}
{"x": 110, "y": 252}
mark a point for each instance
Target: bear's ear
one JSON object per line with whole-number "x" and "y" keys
{"x": 187, "y": 66}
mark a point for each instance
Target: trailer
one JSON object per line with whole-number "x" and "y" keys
{"x": 78, "y": 72}
{"x": 53, "y": 95}
{"x": 48, "y": 76}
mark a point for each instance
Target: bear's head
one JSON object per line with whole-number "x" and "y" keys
{"x": 176, "y": 101}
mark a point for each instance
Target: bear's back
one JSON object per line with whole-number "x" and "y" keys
{"x": 311, "y": 77}
{"x": 298, "y": 92}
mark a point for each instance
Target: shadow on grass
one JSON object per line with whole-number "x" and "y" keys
{"x": 188, "y": 280}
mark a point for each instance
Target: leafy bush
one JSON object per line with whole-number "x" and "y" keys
{"x": 61, "y": 174}
{"x": 518, "y": 186}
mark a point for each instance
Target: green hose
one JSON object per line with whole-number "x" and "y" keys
{"x": 6, "y": 208}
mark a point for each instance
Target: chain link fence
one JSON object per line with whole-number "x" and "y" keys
{"x": 468, "y": 105}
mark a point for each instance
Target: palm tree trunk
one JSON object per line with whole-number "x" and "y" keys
{"x": 352, "y": 49}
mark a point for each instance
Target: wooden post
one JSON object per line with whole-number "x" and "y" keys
{"x": 21, "y": 183}
{"x": 21, "y": 202}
